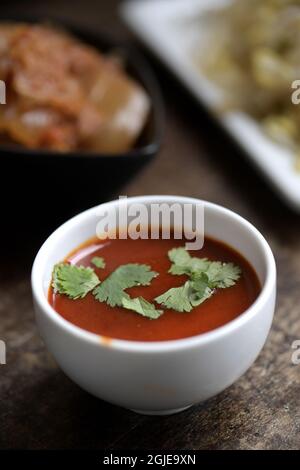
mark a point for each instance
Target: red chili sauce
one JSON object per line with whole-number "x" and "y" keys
{"x": 117, "y": 322}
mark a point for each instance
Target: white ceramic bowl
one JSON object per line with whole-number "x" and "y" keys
{"x": 158, "y": 377}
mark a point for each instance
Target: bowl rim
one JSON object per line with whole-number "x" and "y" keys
{"x": 151, "y": 346}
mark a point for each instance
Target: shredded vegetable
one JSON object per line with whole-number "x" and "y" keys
{"x": 254, "y": 57}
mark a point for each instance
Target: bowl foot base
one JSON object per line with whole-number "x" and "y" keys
{"x": 162, "y": 412}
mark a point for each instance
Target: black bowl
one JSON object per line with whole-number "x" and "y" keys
{"x": 62, "y": 184}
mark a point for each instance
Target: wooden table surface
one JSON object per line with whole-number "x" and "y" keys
{"x": 40, "y": 408}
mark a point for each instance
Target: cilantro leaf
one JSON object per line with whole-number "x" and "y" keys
{"x": 111, "y": 290}
{"x": 188, "y": 296}
{"x": 141, "y": 306}
{"x": 179, "y": 256}
{"x": 176, "y": 298}
{"x": 223, "y": 275}
{"x": 200, "y": 290}
{"x": 204, "y": 277}
{"x": 184, "y": 263}
{"x": 73, "y": 281}
{"x": 98, "y": 262}
{"x": 220, "y": 275}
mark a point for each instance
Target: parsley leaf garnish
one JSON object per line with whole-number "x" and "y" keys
{"x": 112, "y": 289}
{"x": 73, "y": 281}
{"x": 141, "y": 306}
{"x": 98, "y": 262}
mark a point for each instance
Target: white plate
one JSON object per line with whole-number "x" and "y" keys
{"x": 167, "y": 27}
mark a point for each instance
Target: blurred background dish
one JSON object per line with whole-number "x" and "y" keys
{"x": 66, "y": 173}
{"x": 65, "y": 95}
{"x": 239, "y": 59}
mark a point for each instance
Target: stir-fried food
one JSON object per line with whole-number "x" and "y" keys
{"x": 64, "y": 95}
{"x": 254, "y": 56}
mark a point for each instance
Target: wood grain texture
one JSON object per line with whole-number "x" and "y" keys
{"x": 40, "y": 408}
